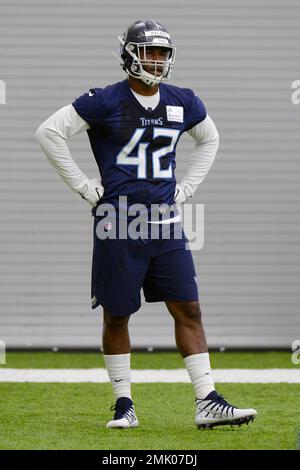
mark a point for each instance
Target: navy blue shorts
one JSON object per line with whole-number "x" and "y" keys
{"x": 163, "y": 268}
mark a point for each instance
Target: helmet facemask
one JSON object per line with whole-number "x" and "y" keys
{"x": 162, "y": 69}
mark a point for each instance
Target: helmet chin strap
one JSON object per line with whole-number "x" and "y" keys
{"x": 149, "y": 80}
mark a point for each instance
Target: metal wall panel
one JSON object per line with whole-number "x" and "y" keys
{"x": 241, "y": 58}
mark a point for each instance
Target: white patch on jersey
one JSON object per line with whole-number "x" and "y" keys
{"x": 175, "y": 113}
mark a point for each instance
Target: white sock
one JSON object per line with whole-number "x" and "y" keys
{"x": 198, "y": 367}
{"x": 118, "y": 369}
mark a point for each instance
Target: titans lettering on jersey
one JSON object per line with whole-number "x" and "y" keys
{"x": 135, "y": 148}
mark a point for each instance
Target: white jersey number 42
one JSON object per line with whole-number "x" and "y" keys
{"x": 124, "y": 158}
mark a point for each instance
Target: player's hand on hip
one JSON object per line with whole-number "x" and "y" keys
{"x": 92, "y": 191}
{"x": 180, "y": 196}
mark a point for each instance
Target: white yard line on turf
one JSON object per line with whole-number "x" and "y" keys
{"x": 150, "y": 375}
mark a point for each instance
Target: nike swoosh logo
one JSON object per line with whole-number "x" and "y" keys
{"x": 118, "y": 380}
{"x": 91, "y": 93}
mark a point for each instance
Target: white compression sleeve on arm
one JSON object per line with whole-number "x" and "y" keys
{"x": 52, "y": 136}
{"x": 206, "y": 139}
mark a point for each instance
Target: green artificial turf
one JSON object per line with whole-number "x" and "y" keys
{"x": 73, "y": 416}
{"x": 154, "y": 360}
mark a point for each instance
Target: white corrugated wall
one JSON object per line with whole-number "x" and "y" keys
{"x": 241, "y": 58}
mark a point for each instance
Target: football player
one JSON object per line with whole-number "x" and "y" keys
{"x": 134, "y": 127}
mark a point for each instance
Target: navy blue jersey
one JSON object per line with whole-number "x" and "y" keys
{"x": 134, "y": 147}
